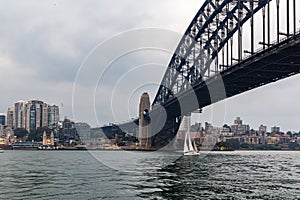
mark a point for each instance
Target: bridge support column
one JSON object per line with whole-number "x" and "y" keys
{"x": 144, "y": 121}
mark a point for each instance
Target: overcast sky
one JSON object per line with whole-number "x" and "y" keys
{"x": 45, "y": 47}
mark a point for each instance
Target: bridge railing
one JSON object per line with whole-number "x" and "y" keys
{"x": 273, "y": 45}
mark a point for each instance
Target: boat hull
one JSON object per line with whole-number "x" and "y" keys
{"x": 191, "y": 153}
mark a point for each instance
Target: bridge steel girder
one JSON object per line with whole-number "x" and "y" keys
{"x": 251, "y": 73}
{"x": 212, "y": 27}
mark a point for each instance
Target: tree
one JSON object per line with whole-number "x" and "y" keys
{"x": 244, "y": 146}
{"x": 37, "y": 135}
{"x": 289, "y": 133}
{"x": 233, "y": 143}
{"x": 20, "y": 132}
{"x": 293, "y": 145}
{"x": 226, "y": 126}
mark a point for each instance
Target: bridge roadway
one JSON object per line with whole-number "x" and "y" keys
{"x": 277, "y": 62}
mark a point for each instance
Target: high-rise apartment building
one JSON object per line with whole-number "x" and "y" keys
{"x": 68, "y": 132}
{"x": 262, "y": 129}
{"x": 19, "y": 115}
{"x": 2, "y": 119}
{"x": 36, "y": 115}
{"x": 32, "y": 115}
{"x": 53, "y": 115}
{"x": 10, "y": 117}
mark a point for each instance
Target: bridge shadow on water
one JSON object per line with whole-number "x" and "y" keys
{"x": 223, "y": 176}
{"x": 186, "y": 178}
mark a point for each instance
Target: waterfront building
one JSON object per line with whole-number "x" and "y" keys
{"x": 272, "y": 139}
{"x": 5, "y": 136}
{"x": 53, "y": 115}
{"x": 208, "y": 128}
{"x": 68, "y": 133}
{"x": 206, "y": 142}
{"x": 10, "y": 117}
{"x": 238, "y": 128}
{"x": 48, "y": 141}
{"x": 144, "y": 121}
{"x": 285, "y": 139}
{"x": 2, "y": 119}
{"x": 19, "y": 114}
{"x": 278, "y": 139}
{"x": 2, "y": 141}
{"x": 262, "y": 129}
{"x": 4, "y": 130}
{"x": 251, "y": 139}
{"x": 275, "y": 129}
{"x": 84, "y": 131}
{"x": 226, "y": 131}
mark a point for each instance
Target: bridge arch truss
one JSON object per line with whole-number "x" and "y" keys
{"x": 206, "y": 48}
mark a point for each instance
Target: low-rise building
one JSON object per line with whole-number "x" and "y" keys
{"x": 48, "y": 140}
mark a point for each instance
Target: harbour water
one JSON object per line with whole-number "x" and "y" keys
{"x": 159, "y": 175}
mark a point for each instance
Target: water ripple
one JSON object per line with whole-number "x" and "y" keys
{"x": 76, "y": 175}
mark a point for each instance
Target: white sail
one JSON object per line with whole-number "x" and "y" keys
{"x": 185, "y": 148}
{"x": 195, "y": 147}
{"x": 188, "y": 148}
{"x": 191, "y": 148}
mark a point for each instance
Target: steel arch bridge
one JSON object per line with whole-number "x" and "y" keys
{"x": 210, "y": 58}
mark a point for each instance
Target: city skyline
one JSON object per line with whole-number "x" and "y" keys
{"x": 41, "y": 61}
{"x": 53, "y": 117}
{"x": 31, "y": 115}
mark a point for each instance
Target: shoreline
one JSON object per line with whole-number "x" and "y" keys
{"x": 144, "y": 150}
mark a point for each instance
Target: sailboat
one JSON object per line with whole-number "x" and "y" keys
{"x": 188, "y": 149}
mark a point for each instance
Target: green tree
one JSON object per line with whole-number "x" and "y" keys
{"x": 233, "y": 143}
{"x": 289, "y": 133}
{"x": 244, "y": 146}
{"x": 293, "y": 145}
{"x": 226, "y": 126}
{"x": 37, "y": 135}
{"x": 20, "y": 132}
